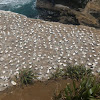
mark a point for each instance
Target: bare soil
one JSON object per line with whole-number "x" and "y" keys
{"x": 37, "y": 91}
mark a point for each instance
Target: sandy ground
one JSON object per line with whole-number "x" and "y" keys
{"x": 37, "y": 91}
{"x": 44, "y": 46}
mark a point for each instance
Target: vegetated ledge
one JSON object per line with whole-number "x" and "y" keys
{"x": 89, "y": 16}
{"x": 44, "y": 46}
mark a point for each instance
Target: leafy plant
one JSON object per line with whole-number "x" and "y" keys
{"x": 87, "y": 89}
{"x": 73, "y": 72}
{"x": 77, "y": 72}
{"x": 26, "y": 76}
{"x": 57, "y": 74}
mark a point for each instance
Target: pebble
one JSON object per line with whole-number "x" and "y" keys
{"x": 13, "y": 83}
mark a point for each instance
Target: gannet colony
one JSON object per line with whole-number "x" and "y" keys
{"x": 44, "y": 46}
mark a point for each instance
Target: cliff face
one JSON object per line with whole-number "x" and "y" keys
{"x": 89, "y": 16}
{"x": 44, "y": 46}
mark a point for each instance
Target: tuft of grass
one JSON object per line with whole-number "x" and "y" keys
{"x": 26, "y": 76}
{"x": 76, "y": 72}
{"x": 87, "y": 89}
{"x": 73, "y": 72}
{"x": 57, "y": 74}
{"x": 84, "y": 86}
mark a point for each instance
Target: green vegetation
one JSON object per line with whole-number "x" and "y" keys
{"x": 73, "y": 72}
{"x": 77, "y": 72}
{"x": 57, "y": 74}
{"x": 87, "y": 89}
{"x": 26, "y": 76}
{"x": 83, "y": 86}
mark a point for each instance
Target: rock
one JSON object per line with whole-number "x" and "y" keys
{"x": 67, "y": 20}
{"x": 13, "y": 83}
{"x": 67, "y": 15}
{"x": 89, "y": 16}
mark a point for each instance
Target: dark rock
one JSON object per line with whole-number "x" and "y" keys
{"x": 89, "y": 16}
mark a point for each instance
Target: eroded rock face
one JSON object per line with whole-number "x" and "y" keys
{"x": 89, "y": 16}
{"x": 44, "y": 46}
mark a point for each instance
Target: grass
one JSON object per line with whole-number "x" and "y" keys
{"x": 87, "y": 89}
{"x": 57, "y": 74}
{"x": 77, "y": 72}
{"x": 26, "y": 76}
{"x": 84, "y": 86}
{"x": 73, "y": 72}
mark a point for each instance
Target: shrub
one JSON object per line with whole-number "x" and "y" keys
{"x": 26, "y": 76}
{"x": 87, "y": 89}
{"x": 76, "y": 72}
{"x": 57, "y": 74}
{"x": 73, "y": 72}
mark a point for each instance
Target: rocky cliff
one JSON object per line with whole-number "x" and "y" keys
{"x": 89, "y": 16}
{"x": 44, "y": 46}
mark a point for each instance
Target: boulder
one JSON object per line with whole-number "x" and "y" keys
{"x": 89, "y": 16}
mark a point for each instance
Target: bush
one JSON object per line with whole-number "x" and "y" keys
{"x": 57, "y": 74}
{"x": 26, "y": 76}
{"x": 87, "y": 89}
{"x": 77, "y": 72}
{"x": 73, "y": 72}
